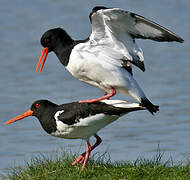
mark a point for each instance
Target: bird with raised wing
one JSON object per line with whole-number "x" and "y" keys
{"x": 104, "y": 59}
{"x": 78, "y": 120}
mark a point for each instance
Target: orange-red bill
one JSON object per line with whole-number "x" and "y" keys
{"x": 26, "y": 114}
{"x": 43, "y": 54}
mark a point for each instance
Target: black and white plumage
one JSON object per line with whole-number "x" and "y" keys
{"x": 78, "y": 120}
{"x": 103, "y": 60}
{"x": 115, "y": 27}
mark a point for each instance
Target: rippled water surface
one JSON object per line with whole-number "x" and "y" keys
{"x": 166, "y": 81}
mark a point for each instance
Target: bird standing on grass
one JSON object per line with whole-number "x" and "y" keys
{"x": 104, "y": 59}
{"x": 78, "y": 120}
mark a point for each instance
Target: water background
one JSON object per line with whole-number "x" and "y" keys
{"x": 166, "y": 81}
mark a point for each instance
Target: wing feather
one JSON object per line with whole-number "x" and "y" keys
{"x": 117, "y": 29}
{"x": 137, "y": 26}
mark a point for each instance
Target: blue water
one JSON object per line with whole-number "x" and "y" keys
{"x": 166, "y": 81}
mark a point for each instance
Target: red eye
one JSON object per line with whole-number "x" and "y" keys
{"x": 37, "y": 105}
{"x": 46, "y": 40}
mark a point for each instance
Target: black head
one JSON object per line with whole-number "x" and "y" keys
{"x": 54, "y": 38}
{"x": 40, "y": 107}
{"x": 95, "y": 9}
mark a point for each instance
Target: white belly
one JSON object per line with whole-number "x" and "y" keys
{"x": 96, "y": 73}
{"x": 85, "y": 128}
{"x": 100, "y": 70}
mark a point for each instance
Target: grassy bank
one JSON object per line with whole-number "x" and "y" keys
{"x": 43, "y": 168}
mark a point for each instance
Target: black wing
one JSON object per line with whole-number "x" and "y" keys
{"x": 73, "y": 112}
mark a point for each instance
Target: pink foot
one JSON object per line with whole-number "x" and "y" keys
{"x": 79, "y": 159}
{"x": 84, "y": 157}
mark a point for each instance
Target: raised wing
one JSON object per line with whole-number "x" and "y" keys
{"x": 121, "y": 21}
{"x": 98, "y": 27}
{"x": 117, "y": 29}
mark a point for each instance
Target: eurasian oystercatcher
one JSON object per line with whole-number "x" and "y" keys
{"x": 78, "y": 120}
{"x": 103, "y": 60}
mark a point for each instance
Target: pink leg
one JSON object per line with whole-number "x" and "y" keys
{"x": 88, "y": 151}
{"x": 81, "y": 158}
{"x": 98, "y": 141}
{"x": 107, "y": 96}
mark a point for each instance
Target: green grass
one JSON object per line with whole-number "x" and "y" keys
{"x": 58, "y": 168}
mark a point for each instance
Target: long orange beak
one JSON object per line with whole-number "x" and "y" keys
{"x": 43, "y": 54}
{"x": 26, "y": 114}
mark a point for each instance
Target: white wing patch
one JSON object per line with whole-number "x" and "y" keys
{"x": 122, "y": 104}
{"x": 57, "y": 114}
{"x": 61, "y": 127}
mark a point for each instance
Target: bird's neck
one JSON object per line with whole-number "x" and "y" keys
{"x": 63, "y": 52}
{"x": 47, "y": 121}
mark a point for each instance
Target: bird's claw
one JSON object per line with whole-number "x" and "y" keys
{"x": 80, "y": 159}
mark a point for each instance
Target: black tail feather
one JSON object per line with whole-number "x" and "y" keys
{"x": 149, "y": 106}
